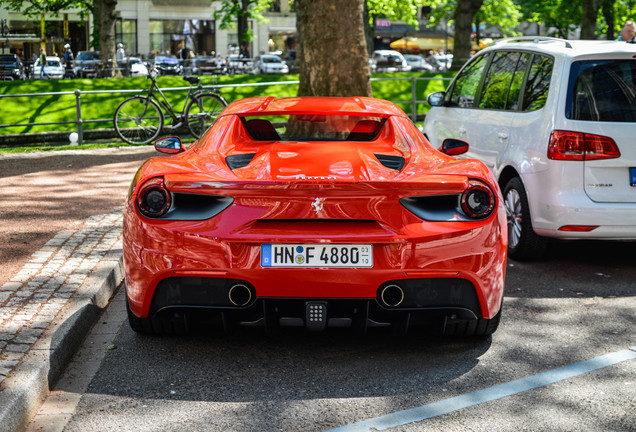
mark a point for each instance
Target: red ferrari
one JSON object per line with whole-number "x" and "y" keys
{"x": 315, "y": 212}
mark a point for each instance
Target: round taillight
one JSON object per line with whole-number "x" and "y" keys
{"x": 478, "y": 200}
{"x": 153, "y": 199}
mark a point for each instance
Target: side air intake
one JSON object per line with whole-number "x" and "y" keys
{"x": 239, "y": 160}
{"x": 391, "y": 162}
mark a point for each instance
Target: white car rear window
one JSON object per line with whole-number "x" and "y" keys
{"x": 602, "y": 90}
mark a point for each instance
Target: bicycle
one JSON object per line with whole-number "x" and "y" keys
{"x": 140, "y": 119}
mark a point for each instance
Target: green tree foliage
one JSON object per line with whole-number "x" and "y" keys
{"x": 395, "y": 10}
{"x": 503, "y": 13}
{"x": 613, "y": 15}
{"x": 239, "y": 12}
{"x": 561, "y": 15}
{"x": 464, "y": 14}
{"x": 33, "y": 8}
{"x": 595, "y": 18}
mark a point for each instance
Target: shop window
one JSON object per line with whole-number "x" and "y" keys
{"x": 169, "y": 36}
{"x": 126, "y": 33}
{"x": 274, "y": 6}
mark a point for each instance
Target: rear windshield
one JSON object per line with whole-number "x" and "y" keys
{"x": 167, "y": 60}
{"x": 313, "y": 127}
{"x": 88, "y": 56}
{"x": 602, "y": 90}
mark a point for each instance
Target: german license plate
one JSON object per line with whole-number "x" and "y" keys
{"x": 632, "y": 176}
{"x": 317, "y": 255}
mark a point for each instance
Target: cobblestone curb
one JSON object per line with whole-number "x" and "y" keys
{"x": 47, "y": 308}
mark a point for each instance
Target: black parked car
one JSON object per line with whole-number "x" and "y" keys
{"x": 11, "y": 67}
{"x": 88, "y": 64}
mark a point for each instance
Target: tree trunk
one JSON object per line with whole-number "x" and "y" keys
{"x": 588, "y": 24}
{"x": 107, "y": 16}
{"x": 465, "y": 12}
{"x": 608, "y": 14}
{"x": 332, "y": 51}
{"x": 477, "y": 24}
{"x": 369, "y": 30}
{"x": 242, "y": 28}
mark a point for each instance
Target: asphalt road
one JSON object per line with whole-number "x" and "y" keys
{"x": 576, "y": 305}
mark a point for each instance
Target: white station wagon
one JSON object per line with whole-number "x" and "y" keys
{"x": 555, "y": 120}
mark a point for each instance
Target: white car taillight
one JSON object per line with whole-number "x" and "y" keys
{"x": 577, "y": 146}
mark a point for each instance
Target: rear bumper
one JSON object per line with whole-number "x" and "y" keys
{"x": 451, "y": 274}
{"x": 557, "y": 199}
{"x": 614, "y": 220}
{"x": 422, "y": 301}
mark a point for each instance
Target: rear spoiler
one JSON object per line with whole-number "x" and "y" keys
{"x": 431, "y": 185}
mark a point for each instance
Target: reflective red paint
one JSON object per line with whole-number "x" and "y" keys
{"x": 274, "y": 201}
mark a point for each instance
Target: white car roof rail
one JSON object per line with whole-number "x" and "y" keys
{"x": 533, "y": 39}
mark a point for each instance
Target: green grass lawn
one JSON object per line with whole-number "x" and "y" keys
{"x": 59, "y": 108}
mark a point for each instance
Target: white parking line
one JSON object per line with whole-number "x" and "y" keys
{"x": 486, "y": 395}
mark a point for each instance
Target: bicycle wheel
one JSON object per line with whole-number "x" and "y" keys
{"x": 202, "y": 110}
{"x": 138, "y": 120}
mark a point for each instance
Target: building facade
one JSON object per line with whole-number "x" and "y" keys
{"x": 151, "y": 26}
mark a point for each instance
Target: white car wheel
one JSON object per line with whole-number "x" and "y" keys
{"x": 523, "y": 242}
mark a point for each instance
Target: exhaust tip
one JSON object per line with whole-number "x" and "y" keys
{"x": 392, "y": 295}
{"x": 240, "y": 295}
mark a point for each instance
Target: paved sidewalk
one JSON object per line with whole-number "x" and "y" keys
{"x": 47, "y": 308}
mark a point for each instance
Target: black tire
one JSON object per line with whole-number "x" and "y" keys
{"x": 174, "y": 324}
{"x": 202, "y": 111}
{"x": 523, "y": 242}
{"x": 478, "y": 328}
{"x": 138, "y": 120}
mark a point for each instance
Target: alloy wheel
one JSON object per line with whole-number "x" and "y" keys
{"x": 514, "y": 215}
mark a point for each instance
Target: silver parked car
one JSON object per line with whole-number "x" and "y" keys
{"x": 269, "y": 64}
{"x": 388, "y": 61}
{"x": 418, "y": 63}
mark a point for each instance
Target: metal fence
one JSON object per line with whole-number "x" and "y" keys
{"x": 79, "y": 121}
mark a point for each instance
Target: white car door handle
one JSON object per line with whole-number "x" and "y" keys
{"x": 502, "y": 135}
